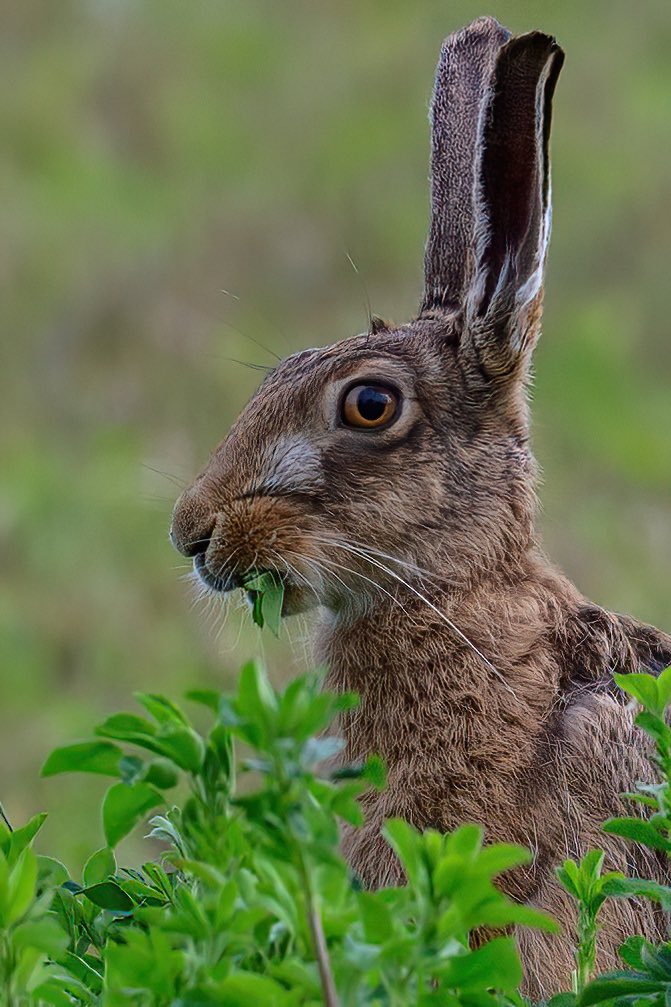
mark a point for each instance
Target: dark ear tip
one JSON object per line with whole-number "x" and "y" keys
{"x": 534, "y": 42}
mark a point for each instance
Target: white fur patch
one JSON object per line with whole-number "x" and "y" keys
{"x": 290, "y": 464}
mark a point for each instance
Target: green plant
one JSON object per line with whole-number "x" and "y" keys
{"x": 647, "y": 980}
{"x": 267, "y": 596}
{"x": 585, "y": 882}
{"x": 251, "y": 902}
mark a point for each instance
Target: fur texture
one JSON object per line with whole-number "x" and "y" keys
{"x": 485, "y": 677}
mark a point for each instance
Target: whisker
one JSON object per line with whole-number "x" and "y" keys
{"x": 264, "y": 318}
{"x": 180, "y": 483}
{"x": 248, "y": 363}
{"x": 429, "y": 575}
{"x": 292, "y": 569}
{"x": 378, "y": 587}
{"x": 455, "y": 629}
{"x": 364, "y": 290}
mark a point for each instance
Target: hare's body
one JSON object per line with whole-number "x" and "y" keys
{"x": 388, "y": 479}
{"x": 541, "y": 763}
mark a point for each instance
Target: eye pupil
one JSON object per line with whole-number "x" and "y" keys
{"x": 371, "y": 403}
{"x": 368, "y": 407}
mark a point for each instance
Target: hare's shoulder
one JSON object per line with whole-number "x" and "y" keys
{"x": 598, "y": 643}
{"x": 596, "y": 718}
{"x": 594, "y": 714}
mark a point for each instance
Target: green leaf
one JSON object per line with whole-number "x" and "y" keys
{"x": 23, "y": 837}
{"x": 21, "y": 886}
{"x": 240, "y": 989}
{"x": 257, "y": 608}
{"x": 267, "y": 594}
{"x": 109, "y": 895}
{"x": 85, "y": 972}
{"x": 606, "y": 988}
{"x": 256, "y": 695}
{"x": 130, "y": 728}
{"x": 405, "y": 841}
{"x": 163, "y": 710}
{"x": 637, "y": 830}
{"x": 183, "y": 746}
{"x": 496, "y": 964}
{"x": 654, "y": 726}
{"x": 664, "y": 687}
{"x": 100, "y": 866}
{"x": 377, "y": 918}
{"x": 271, "y": 606}
{"x": 639, "y": 887}
{"x": 375, "y": 771}
{"x": 161, "y": 773}
{"x": 84, "y": 757}
{"x": 642, "y": 687}
{"x": 630, "y": 952}
{"x": 563, "y": 1000}
{"x": 50, "y": 872}
{"x": 45, "y": 935}
{"x": 124, "y": 806}
{"x": 500, "y": 857}
{"x": 206, "y": 697}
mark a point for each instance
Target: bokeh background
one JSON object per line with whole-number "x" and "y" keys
{"x": 157, "y": 153}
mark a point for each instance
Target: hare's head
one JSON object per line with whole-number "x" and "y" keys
{"x": 405, "y": 450}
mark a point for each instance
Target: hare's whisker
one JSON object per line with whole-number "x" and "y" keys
{"x": 378, "y": 587}
{"x": 455, "y": 629}
{"x": 266, "y": 319}
{"x": 179, "y": 483}
{"x": 331, "y": 540}
{"x": 292, "y": 569}
{"x": 364, "y": 290}
{"x": 315, "y": 566}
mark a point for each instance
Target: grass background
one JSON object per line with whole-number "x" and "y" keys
{"x": 157, "y": 153}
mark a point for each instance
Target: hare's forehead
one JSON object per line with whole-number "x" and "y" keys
{"x": 395, "y": 354}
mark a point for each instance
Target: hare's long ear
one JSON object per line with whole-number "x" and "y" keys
{"x": 512, "y": 203}
{"x": 462, "y": 90}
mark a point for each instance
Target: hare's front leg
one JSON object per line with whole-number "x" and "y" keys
{"x": 367, "y": 852}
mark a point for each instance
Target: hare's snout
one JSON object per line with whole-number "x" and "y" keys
{"x": 246, "y": 535}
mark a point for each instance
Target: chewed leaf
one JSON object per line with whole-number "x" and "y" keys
{"x": 267, "y": 596}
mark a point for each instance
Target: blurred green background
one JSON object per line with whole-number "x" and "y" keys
{"x": 158, "y": 153}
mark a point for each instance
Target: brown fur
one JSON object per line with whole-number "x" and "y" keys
{"x": 485, "y": 677}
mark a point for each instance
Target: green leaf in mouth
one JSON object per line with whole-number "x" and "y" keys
{"x": 267, "y": 595}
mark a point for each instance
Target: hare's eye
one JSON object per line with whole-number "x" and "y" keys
{"x": 368, "y": 406}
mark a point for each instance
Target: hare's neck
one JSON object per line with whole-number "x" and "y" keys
{"x": 476, "y": 670}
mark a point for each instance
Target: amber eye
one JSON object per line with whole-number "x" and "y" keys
{"x": 369, "y": 406}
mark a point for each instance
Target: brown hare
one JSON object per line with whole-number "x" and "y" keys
{"x": 388, "y": 479}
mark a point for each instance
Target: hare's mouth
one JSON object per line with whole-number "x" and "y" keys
{"x": 297, "y": 596}
{"x": 221, "y": 583}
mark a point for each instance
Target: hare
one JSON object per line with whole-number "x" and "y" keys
{"x": 389, "y": 481}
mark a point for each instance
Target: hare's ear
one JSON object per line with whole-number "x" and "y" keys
{"x": 512, "y": 210}
{"x": 461, "y": 93}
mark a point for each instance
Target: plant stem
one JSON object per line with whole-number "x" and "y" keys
{"x": 317, "y": 931}
{"x": 586, "y": 952}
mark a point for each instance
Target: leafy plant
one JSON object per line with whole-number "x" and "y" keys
{"x": 589, "y": 887}
{"x": 251, "y": 902}
{"x": 648, "y": 979}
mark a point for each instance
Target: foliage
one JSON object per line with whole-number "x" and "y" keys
{"x": 267, "y": 596}
{"x": 251, "y": 902}
{"x": 648, "y": 979}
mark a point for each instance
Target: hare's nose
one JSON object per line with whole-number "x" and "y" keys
{"x": 192, "y": 525}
